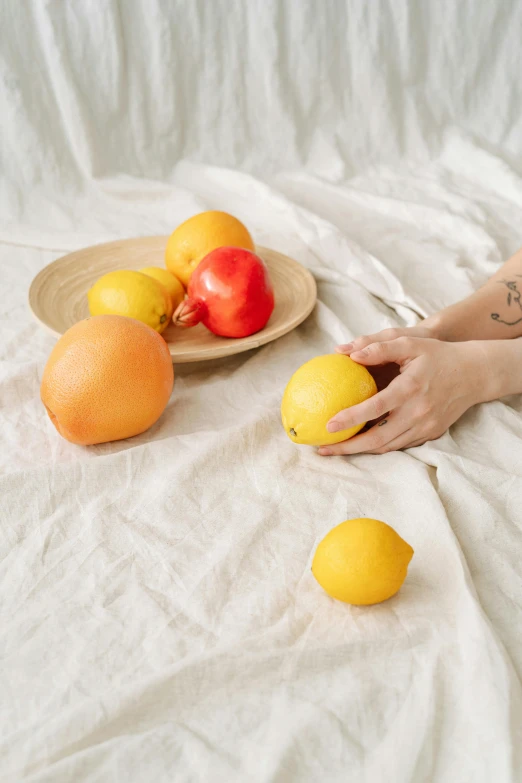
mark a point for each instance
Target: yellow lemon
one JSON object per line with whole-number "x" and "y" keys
{"x": 132, "y": 294}
{"x": 362, "y": 561}
{"x": 169, "y": 281}
{"x": 197, "y": 236}
{"x": 318, "y": 391}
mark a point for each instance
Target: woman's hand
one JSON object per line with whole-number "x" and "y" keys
{"x": 438, "y": 382}
{"x": 385, "y": 335}
{"x": 383, "y": 374}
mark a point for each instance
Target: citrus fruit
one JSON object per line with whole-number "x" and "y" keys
{"x": 362, "y": 561}
{"x": 133, "y": 294}
{"x": 318, "y": 391}
{"x": 107, "y": 378}
{"x": 168, "y": 281}
{"x": 200, "y": 234}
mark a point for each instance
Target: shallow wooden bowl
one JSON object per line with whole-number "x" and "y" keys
{"x": 58, "y": 295}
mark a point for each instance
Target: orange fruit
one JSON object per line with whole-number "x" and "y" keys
{"x": 197, "y": 236}
{"x": 108, "y": 377}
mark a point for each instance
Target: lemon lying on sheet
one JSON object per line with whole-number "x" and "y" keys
{"x": 362, "y": 561}
{"x": 317, "y": 391}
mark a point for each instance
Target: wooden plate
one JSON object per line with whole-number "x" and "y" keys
{"x": 58, "y": 295}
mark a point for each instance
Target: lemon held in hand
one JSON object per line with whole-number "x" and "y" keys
{"x": 318, "y": 391}
{"x": 361, "y": 562}
{"x": 132, "y": 294}
{"x": 168, "y": 281}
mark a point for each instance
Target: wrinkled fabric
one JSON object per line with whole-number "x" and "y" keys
{"x": 159, "y": 619}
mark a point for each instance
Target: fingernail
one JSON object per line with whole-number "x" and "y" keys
{"x": 325, "y": 452}
{"x": 345, "y": 348}
{"x": 334, "y": 426}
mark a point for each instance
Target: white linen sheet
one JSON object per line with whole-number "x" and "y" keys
{"x": 158, "y": 618}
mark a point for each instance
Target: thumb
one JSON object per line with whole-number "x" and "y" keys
{"x": 400, "y": 351}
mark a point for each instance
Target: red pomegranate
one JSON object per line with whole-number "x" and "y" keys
{"x": 230, "y": 292}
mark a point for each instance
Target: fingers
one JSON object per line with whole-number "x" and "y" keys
{"x": 419, "y": 442}
{"x": 386, "y": 400}
{"x": 385, "y": 335}
{"x": 367, "y": 339}
{"x": 404, "y": 441}
{"x": 408, "y": 440}
{"x": 399, "y": 351}
{"x": 376, "y": 440}
{"x": 402, "y": 434}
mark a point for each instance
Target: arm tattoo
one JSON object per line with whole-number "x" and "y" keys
{"x": 513, "y": 299}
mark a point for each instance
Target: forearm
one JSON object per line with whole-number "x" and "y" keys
{"x": 494, "y": 312}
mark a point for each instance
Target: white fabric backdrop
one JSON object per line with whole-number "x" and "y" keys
{"x": 159, "y": 620}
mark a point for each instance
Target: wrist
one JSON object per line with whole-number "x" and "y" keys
{"x": 435, "y": 326}
{"x": 501, "y": 365}
{"x": 483, "y": 373}
{"x": 447, "y": 325}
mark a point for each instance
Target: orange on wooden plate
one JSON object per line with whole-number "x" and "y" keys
{"x": 198, "y": 236}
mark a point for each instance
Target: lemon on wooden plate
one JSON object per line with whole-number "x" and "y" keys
{"x": 169, "y": 281}
{"x": 318, "y": 391}
{"x": 133, "y": 294}
{"x": 362, "y": 561}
